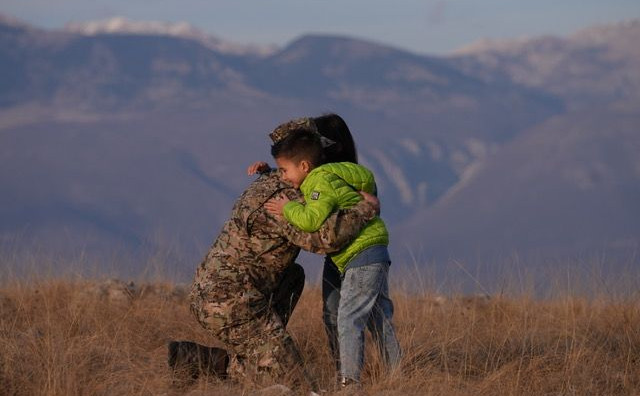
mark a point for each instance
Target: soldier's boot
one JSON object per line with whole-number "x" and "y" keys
{"x": 188, "y": 361}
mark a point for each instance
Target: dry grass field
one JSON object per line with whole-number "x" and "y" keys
{"x": 90, "y": 337}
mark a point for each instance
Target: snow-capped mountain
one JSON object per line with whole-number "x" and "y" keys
{"x": 121, "y": 25}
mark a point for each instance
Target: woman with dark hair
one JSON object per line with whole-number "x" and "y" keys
{"x": 334, "y": 128}
{"x": 343, "y": 149}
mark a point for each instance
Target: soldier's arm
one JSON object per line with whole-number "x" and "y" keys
{"x": 337, "y": 231}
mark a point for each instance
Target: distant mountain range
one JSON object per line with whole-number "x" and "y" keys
{"x": 126, "y": 137}
{"x": 120, "y": 25}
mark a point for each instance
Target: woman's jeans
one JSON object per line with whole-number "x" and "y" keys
{"x": 359, "y": 299}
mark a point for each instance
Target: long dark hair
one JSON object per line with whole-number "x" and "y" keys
{"x": 333, "y": 127}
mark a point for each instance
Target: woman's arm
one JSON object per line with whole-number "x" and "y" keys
{"x": 258, "y": 167}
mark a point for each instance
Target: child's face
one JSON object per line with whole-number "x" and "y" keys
{"x": 293, "y": 172}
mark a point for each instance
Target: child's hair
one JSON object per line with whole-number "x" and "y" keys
{"x": 333, "y": 127}
{"x": 300, "y": 144}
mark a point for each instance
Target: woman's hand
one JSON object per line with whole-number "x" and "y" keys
{"x": 276, "y": 205}
{"x": 372, "y": 199}
{"x": 258, "y": 167}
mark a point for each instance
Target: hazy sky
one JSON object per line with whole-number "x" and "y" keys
{"x": 424, "y": 26}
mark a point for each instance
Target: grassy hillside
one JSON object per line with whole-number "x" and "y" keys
{"x": 90, "y": 337}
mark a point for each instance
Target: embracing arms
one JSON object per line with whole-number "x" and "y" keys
{"x": 338, "y": 230}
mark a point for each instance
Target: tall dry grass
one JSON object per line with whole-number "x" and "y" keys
{"x": 76, "y": 337}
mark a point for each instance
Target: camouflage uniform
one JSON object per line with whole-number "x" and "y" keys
{"x": 235, "y": 284}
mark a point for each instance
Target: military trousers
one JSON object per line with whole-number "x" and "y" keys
{"x": 252, "y": 326}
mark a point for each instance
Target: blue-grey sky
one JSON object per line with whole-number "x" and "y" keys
{"x": 423, "y": 26}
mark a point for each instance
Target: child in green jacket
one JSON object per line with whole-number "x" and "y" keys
{"x": 363, "y": 264}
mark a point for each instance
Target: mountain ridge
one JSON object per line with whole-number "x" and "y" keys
{"x": 122, "y": 25}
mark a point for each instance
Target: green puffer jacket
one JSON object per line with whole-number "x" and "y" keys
{"x": 328, "y": 188}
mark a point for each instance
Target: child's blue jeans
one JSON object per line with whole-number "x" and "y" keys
{"x": 363, "y": 302}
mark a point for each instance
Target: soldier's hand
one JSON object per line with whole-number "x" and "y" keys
{"x": 372, "y": 199}
{"x": 275, "y": 205}
{"x": 258, "y": 167}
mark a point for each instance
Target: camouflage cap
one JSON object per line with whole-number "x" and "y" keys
{"x": 283, "y": 130}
